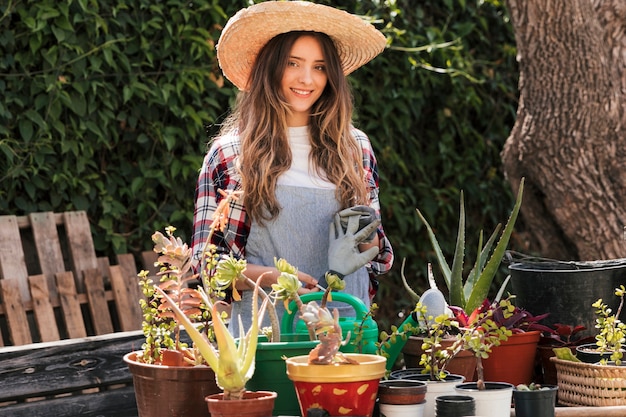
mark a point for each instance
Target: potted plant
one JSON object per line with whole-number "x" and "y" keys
{"x": 469, "y": 293}
{"x": 513, "y": 359}
{"x": 232, "y": 360}
{"x": 426, "y": 329}
{"x": 481, "y": 335}
{"x": 560, "y": 336}
{"x": 163, "y": 387}
{"x": 611, "y": 336}
{"x": 435, "y": 357}
{"x": 339, "y": 383}
{"x": 168, "y": 375}
{"x": 534, "y": 400}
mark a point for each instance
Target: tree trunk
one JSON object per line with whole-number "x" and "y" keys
{"x": 569, "y": 140}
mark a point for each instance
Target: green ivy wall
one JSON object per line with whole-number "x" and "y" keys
{"x": 107, "y": 106}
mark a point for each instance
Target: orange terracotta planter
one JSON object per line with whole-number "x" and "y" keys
{"x": 513, "y": 361}
{"x": 164, "y": 391}
{"x": 253, "y": 404}
{"x": 464, "y": 363}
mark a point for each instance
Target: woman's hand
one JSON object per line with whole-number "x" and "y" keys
{"x": 309, "y": 284}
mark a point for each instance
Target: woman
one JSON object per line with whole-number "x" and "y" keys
{"x": 309, "y": 178}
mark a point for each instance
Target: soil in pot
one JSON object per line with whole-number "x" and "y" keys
{"x": 589, "y": 353}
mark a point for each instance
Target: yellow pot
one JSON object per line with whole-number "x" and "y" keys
{"x": 340, "y": 389}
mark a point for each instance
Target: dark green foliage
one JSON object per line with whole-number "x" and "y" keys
{"x": 105, "y": 107}
{"x": 108, "y": 105}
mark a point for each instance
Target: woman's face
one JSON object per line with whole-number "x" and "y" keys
{"x": 304, "y": 79}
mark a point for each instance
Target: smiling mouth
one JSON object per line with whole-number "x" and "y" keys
{"x": 302, "y": 92}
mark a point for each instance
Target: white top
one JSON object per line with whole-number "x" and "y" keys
{"x": 302, "y": 172}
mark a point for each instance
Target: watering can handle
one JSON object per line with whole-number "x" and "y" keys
{"x": 286, "y": 324}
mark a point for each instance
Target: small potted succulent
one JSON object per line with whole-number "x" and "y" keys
{"x": 231, "y": 359}
{"x": 611, "y": 336}
{"x": 534, "y": 400}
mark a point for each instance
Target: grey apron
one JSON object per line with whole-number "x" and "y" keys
{"x": 300, "y": 236}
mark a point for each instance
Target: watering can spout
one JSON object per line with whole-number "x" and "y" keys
{"x": 434, "y": 303}
{"x": 393, "y": 349}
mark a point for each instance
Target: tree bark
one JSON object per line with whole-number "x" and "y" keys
{"x": 569, "y": 140}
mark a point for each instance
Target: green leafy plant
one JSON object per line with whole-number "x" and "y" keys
{"x": 470, "y": 294}
{"x": 482, "y": 333}
{"x": 232, "y": 360}
{"x": 158, "y": 326}
{"x": 612, "y": 331}
{"x": 434, "y": 331}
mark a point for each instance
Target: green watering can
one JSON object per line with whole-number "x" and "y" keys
{"x": 432, "y": 299}
{"x": 369, "y": 328}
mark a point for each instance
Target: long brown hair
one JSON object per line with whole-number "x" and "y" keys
{"x": 260, "y": 119}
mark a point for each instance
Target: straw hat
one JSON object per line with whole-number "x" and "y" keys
{"x": 244, "y": 35}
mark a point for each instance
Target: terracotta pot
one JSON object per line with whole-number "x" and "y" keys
{"x": 253, "y": 404}
{"x": 464, "y": 363}
{"x": 435, "y": 388}
{"x": 165, "y": 391}
{"x": 340, "y": 389}
{"x": 401, "y": 392}
{"x": 514, "y": 360}
{"x": 548, "y": 370}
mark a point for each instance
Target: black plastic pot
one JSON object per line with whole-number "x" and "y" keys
{"x": 589, "y": 353}
{"x": 536, "y": 403}
{"x": 455, "y": 406}
{"x": 566, "y": 290}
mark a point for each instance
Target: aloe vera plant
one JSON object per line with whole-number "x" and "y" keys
{"x": 470, "y": 294}
{"x": 232, "y": 362}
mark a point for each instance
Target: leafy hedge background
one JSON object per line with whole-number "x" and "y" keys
{"x": 107, "y": 106}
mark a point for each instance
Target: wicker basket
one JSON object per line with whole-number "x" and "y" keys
{"x": 585, "y": 384}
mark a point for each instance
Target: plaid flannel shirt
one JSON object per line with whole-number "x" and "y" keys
{"x": 219, "y": 172}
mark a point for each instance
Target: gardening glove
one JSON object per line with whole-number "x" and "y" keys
{"x": 365, "y": 214}
{"x": 344, "y": 256}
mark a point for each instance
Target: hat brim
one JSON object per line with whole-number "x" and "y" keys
{"x": 356, "y": 40}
